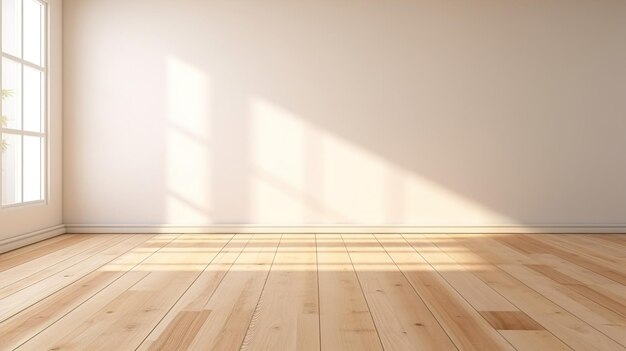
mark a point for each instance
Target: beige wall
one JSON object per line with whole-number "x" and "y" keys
{"x": 14, "y": 222}
{"x": 297, "y": 112}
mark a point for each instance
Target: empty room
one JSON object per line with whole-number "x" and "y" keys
{"x": 313, "y": 175}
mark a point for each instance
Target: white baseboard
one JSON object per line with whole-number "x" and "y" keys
{"x": 46, "y": 233}
{"x": 30, "y": 238}
{"x": 513, "y": 229}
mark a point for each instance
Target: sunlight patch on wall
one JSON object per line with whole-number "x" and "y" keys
{"x": 188, "y": 148}
{"x": 278, "y": 181}
{"x": 303, "y": 174}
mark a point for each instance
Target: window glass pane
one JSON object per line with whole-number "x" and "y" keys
{"x": 33, "y": 31}
{"x": 11, "y": 169}
{"x": 32, "y": 99}
{"x": 22, "y": 173}
{"x": 11, "y": 25}
{"x": 33, "y": 159}
{"x": 11, "y": 90}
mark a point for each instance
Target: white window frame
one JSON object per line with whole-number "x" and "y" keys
{"x": 44, "y": 120}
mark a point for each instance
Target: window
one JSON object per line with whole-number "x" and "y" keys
{"x": 23, "y": 125}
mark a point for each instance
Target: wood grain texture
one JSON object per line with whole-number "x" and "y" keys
{"x": 403, "y": 319}
{"x": 45, "y": 272}
{"x": 315, "y": 292}
{"x": 28, "y": 253}
{"x": 127, "y": 318}
{"x": 573, "y": 331}
{"x": 465, "y": 326}
{"x": 181, "y": 330}
{"x": 168, "y": 331}
{"x": 45, "y": 320}
{"x": 596, "y": 315}
{"x": 287, "y": 314}
{"x": 510, "y": 320}
{"x": 235, "y": 299}
{"x": 345, "y": 319}
{"x": 572, "y": 253}
{"x": 534, "y": 340}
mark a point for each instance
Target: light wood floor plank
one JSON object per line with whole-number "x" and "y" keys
{"x": 465, "y": 326}
{"x": 530, "y": 245}
{"x": 28, "y": 253}
{"x": 287, "y": 314}
{"x": 587, "y": 283}
{"x": 401, "y": 317}
{"x": 602, "y": 319}
{"x": 568, "y": 328}
{"x": 619, "y": 239}
{"x": 126, "y": 266}
{"x": 345, "y": 320}
{"x": 315, "y": 292}
{"x": 593, "y": 251}
{"x": 94, "y": 247}
{"x": 232, "y": 305}
{"x": 179, "y": 327}
{"x": 477, "y": 293}
{"x": 33, "y": 320}
{"x": 534, "y": 340}
{"x": 35, "y": 266}
{"x": 127, "y": 317}
{"x": 21, "y": 299}
{"x": 595, "y": 247}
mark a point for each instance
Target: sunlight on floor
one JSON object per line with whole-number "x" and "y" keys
{"x": 197, "y": 252}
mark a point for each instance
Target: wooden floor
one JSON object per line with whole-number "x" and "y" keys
{"x": 312, "y": 292}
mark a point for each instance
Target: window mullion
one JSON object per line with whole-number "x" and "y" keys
{"x": 23, "y": 132}
{"x": 24, "y": 62}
